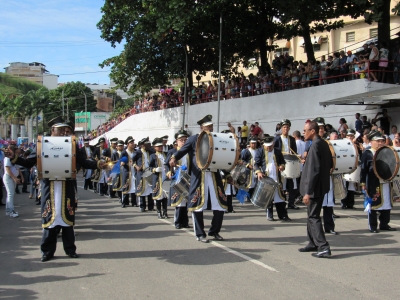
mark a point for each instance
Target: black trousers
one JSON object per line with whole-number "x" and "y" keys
{"x": 103, "y": 188}
{"x": 1, "y": 189}
{"x": 162, "y": 203}
{"x": 329, "y": 220}
{"x": 280, "y": 210}
{"x": 229, "y": 202}
{"x": 49, "y": 240}
{"x": 150, "y": 202}
{"x": 348, "y": 202}
{"x": 315, "y": 233}
{"x": 111, "y": 192}
{"x": 384, "y": 219}
{"x": 181, "y": 216}
{"x": 251, "y": 191}
{"x": 25, "y": 173}
{"x": 293, "y": 193}
{"x": 88, "y": 184}
{"x": 216, "y": 223}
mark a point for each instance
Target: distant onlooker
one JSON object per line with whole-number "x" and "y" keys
{"x": 358, "y": 123}
{"x": 187, "y": 129}
{"x": 245, "y": 132}
{"x": 365, "y": 124}
{"x": 396, "y": 66}
{"x": 383, "y": 61}
{"x": 384, "y": 120}
{"x": 393, "y": 132}
{"x": 257, "y": 131}
{"x": 343, "y": 125}
{"x": 231, "y": 128}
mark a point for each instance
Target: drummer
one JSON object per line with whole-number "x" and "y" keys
{"x": 348, "y": 202}
{"x": 248, "y": 156}
{"x": 287, "y": 144}
{"x": 206, "y": 188}
{"x": 128, "y": 174}
{"x": 118, "y": 181}
{"x": 380, "y": 193}
{"x": 270, "y": 162}
{"x": 156, "y": 166}
{"x": 181, "y": 218}
{"x": 230, "y": 189}
{"x": 141, "y": 160}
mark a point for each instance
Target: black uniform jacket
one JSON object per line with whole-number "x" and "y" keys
{"x": 197, "y": 178}
{"x": 68, "y": 191}
{"x": 315, "y": 178}
{"x": 278, "y": 144}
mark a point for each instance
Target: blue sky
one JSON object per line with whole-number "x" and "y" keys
{"x": 61, "y": 34}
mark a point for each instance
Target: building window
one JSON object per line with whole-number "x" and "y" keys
{"x": 316, "y": 47}
{"x": 373, "y": 32}
{"x": 350, "y": 36}
{"x": 281, "y": 51}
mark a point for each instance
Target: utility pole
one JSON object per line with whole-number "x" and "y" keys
{"x": 62, "y": 101}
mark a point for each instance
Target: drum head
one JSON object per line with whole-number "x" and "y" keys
{"x": 386, "y": 163}
{"x": 203, "y": 150}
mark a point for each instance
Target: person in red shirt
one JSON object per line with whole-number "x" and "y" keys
{"x": 257, "y": 130}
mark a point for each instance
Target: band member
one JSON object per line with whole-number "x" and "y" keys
{"x": 269, "y": 162}
{"x": 141, "y": 160}
{"x": 118, "y": 181}
{"x": 181, "y": 218}
{"x": 128, "y": 174}
{"x": 165, "y": 148}
{"x": 380, "y": 193}
{"x": 87, "y": 152}
{"x": 329, "y": 199}
{"x": 157, "y": 161}
{"x": 314, "y": 185}
{"x": 229, "y": 188}
{"x": 287, "y": 145}
{"x": 100, "y": 152}
{"x": 206, "y": 188}
{"x": 114, "y": 150}
{"x": 348, "y": 202}
{"x": 247, "y": 156}
{"x": 58, "y": 200}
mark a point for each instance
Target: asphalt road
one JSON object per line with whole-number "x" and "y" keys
{"x": 126, "y": 254}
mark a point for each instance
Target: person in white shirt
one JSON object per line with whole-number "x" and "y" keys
{"x": 393, "y": 132}
{"x": 10, "y": 178}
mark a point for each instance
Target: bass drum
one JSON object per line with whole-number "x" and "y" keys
{"x": 292, "y": 166}
{"x": 264, "y": 192}
{"x": 217, "y": 151}
{"x": 345, "y": 156}
{"x": 56, "y": 157}
{"x": 386, "y": 163}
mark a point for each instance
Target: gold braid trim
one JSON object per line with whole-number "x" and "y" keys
{"x": 63, "y": 204}
{"x": 52, "y": 205}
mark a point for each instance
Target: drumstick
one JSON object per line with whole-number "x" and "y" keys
{"x": 294, "y": 153}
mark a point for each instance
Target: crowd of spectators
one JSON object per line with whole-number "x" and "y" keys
{"x": 285, "y": 74}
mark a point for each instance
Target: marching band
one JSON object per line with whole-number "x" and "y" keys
{"x": 199, "y": 174}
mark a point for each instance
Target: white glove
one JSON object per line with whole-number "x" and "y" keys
{"x": 159, "y": 169}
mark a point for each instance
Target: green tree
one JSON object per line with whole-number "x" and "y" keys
{"x": 38, "y": 101}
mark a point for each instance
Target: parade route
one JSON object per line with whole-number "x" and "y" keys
{"x": 126, "y": 254}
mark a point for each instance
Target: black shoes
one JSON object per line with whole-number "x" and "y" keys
{"x": 216, "y": 236}
{"x": 293, "y": 206}
{"x": 270, "y": 219}
{"x": 202, "y": 239}
{"x": 123, "y": 205}
{"x": 178, "y": 226}
{"x": 73, "y": 255}
{"x": 159, "y": 215}
{"x": 323, "y": 254}
{"x": 308, "y": 249}
{"x": 388, "y": 228}
{"x": 335, "y": 216}
{"x": 374, "y": 231}
{"x": 142, "y": 210}
{"x": 101, "y": 194}
{"x": 286, "y": 219}
{"x": 332, "y": 232}
{"x": 46, "y": 258}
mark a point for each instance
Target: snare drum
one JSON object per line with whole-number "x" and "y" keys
{"x": 217, "y": 151}
{"x": 345, "y": 156}
{"x": 56, "y": 157}
{"x": 181, "y": 184}
{"x": 292, "y": 166}
{"x": 240, "y": 176}
{"x": 339, "y": 187}
{"x": 166, "y": 186}
{"x": 264, "y": 192}
{"x": 147, "y": 176}
{"x": 386, "y": 163}
{"x": 353, "y": 177}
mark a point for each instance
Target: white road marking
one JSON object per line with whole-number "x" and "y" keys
{"x": 227, "y": 249}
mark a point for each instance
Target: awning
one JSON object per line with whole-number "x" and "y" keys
{"x": 377, "y": 97}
